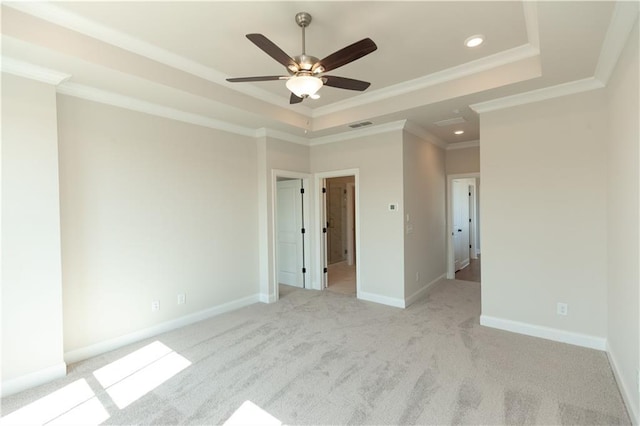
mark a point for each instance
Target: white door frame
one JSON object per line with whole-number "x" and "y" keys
{"x": 319, "y": 275}
{"x": 307, "y": 223}
{"x": 451, "y": 273}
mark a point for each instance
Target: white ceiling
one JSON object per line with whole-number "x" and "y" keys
{"x": 176, "y": 56}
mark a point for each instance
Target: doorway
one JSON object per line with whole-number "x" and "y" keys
{"x": 464, "y": 230}
{"x": 289, "y": 267}
{"x": 340, "y": 235}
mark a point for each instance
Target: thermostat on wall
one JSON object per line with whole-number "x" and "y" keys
{"x": 393, "y": 207}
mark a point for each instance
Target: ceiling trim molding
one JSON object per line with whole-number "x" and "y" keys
{"x": 530, "y": 9}
{"x": 479, "y": 65}
{"x": 421, "y": 133}
{"x": 463, "y": 145}
{"x": 276, "y": 134}
{"x": 56, "y": 15}
{"x": 31, "y": 71}
{"x": 359, "y": 133}
{"x": 624, "y": 17}
{"x": 564, "y": 89}
{"x": 133, "y": 104}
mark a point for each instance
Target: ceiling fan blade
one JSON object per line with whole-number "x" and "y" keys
{"x": 345, "y": 55}
{"x": 294, "y": 99}
{"x": 274, "y": 51}
{"x": 261, "y": 78}
{"x": 345, "y": 83}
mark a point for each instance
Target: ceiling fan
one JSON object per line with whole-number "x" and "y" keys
{"x": 306, "y": 73}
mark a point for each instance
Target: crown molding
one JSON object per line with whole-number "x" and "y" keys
{"x": 31, "y": 71}
{"x": 418, "y": 131}
{"x": 624, "y": 17}
{"x": 537, "y": 95}
{"x": 463, "y": 145}
{"x": 50, "y": 12}
{"x": 454, "y": 73}
{"x": 126, "y": 102}
{"x": 359, "y": 133}
{"x": 276, "y": 134}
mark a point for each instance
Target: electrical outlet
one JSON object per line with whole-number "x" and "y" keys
{"x": 563, "y": 309}
{"x": 155, "y": 305}
{"x": 182, "y": 299}
{"x": 417, "y": 276}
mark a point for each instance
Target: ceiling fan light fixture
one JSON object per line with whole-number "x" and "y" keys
{"x": 304, "y": 85}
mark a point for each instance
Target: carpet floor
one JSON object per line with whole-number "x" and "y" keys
{"x": 326, "y": 358}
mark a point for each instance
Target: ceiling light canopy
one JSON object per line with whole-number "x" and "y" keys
{"x": 474, "y": 40}
{"x": 304, "y": 85}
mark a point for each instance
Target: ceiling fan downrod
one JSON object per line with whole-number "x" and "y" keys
{"x": 303, "y": 19}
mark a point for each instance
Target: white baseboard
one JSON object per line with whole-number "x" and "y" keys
{"x": 267, "y": 298}
{"x": 37, "y": 378}
{"x": 578, "y": 339}
{"x": 418, "y": 294}
{"x": 384, "y": 300}
{"x": 118, "y": 342}
{"x": 624, "y": 386}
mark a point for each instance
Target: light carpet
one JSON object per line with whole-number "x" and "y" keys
{"x": 325, "y": 358}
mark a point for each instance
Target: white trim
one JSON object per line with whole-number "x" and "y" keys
{"x": 538, "y": 95}
{"x": 625, "y": 14}
{"x": 267, "y": 298}
{"x": 276, "y": 134}
{"x": 463, "y": 145}
{"x": 118, "y": 342}
{"x": 359, "y": 133}
{"x": 384, "y": 300}
{"x": 134, "y": 104}
{"x": 557, "y": 335}
{"x": 632, "y": 408}
{"x": 530, "y": 9}
{"x": 479, "y": 65}
{"x": 31, "y": 71}
{"x": 418, "y": 294}
{"x": 418, "y": 131}
{"x": 31, "y": 380}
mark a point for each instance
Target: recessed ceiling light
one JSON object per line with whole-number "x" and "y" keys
{"x": 474, "y": 40}
{"x": 315, "y": 96}
{"x": 459, "y": 132}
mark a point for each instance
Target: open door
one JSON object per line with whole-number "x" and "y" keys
{"x": 290, "y": 233}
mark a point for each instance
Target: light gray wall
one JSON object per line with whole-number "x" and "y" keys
{"x": 379, "y": 161}
{"x": 151, "y": 208}
{"x": 464, "y": 160}
{"x": 623, "y": 213}
{"x": 424, "y": 204}
{"x": 31, "y": 259}
{"x": 544, "y": 213}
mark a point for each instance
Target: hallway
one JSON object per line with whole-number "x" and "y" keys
{"x": 471, "y": 272}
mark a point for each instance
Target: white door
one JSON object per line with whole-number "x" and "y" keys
{"x": 325, "y": 230}
{"x": 290, "y": 249}
{"x": 460, "y": 229}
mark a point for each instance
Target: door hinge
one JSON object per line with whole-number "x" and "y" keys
{"x": 303, "y": 230}
{"x": 324, "y": 230}
{"x": 302, "y": 190}
{"x": 469, "y": 220}
{"x": 304, "y": 270}
{"x": 324, "y": 190}
{"x": 469, "y": 194}
{"x": 469, "y": 245}
{"x": 326, "y": 270}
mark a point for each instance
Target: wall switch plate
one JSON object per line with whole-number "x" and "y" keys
{"x": 155, "y": 305}
{"x": 182, "y": 299}
{"x": 563, "y": 309}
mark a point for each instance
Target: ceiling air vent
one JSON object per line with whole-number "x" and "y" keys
{"x": 361, "y": 124}
{"x": 450, "y": 121}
